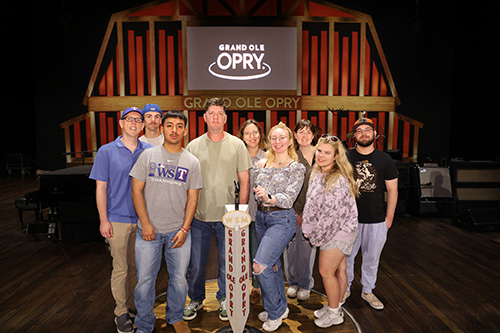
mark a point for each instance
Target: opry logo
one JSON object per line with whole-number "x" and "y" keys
{"x": 240, "y": 62}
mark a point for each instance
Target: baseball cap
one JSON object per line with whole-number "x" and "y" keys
{"x": 363, "y": 121}
{"x": 151, "y": 108}
{"x": 132, "y": 109}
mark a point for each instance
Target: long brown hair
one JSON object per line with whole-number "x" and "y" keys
{"x": 262, "y": 139}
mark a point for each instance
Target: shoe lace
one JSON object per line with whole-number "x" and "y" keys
{"x": 192, "y": 306}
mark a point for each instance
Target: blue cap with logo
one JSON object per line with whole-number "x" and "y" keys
{"x": 151, "y": 108}
{"x": 132, "y": 109}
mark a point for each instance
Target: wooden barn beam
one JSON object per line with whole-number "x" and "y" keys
{"x": 352, "y": 103}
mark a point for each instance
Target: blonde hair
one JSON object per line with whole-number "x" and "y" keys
{"x": 341, "y": 167}
{"x": 270, "y": 153}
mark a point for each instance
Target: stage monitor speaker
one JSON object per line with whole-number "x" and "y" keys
{"x": 478, "y": 219}
{"x": 435, "y": 182}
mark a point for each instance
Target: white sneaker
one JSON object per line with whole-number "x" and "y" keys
{"x": 272, "y": 325}
{"x": 330, "y": 318}
{"x": 292, "y": 291}
{"x": 303, "y": 294}
{"x": 321, "y": 312}
{"x": 263, "y": 316}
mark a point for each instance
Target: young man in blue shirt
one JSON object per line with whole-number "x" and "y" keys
{"x": 118, "y": 219}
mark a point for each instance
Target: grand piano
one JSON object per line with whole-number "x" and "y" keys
{"x": 70, "y": 195}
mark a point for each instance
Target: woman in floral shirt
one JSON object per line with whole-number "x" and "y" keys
{"x": 330, "y": 220}
{"x": 278, "y": 178}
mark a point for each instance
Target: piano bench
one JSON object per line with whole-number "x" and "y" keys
{"x": 23, "y": 205}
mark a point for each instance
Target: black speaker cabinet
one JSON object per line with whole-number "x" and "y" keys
{"x": 478, "y": 219}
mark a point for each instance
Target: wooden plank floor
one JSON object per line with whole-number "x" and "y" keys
{"x": 434, "y": 277}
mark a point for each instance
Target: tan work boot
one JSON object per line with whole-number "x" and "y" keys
{"x": 181, "y": 327}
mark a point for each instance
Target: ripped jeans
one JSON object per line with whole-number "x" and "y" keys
{"x": 274, "y": 232}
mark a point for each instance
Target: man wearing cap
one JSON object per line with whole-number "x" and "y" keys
{"x": 375, "y": 172}
{"x": 152, "y": 121}
{"x": 118, "y": 219}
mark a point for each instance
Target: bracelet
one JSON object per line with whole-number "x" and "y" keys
{"x": 185, "y": 230}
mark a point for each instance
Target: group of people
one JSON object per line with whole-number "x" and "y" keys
{"x": 303, "y": 193}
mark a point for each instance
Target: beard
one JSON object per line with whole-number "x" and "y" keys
{"x": 365, "y": 143}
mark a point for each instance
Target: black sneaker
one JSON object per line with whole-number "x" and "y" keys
{"x": 124, "y": 324}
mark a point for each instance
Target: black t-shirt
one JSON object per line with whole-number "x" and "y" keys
{"x": 372, "y": 170}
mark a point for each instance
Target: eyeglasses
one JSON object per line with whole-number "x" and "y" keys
{"x": 331, "y": 138}
{"x": 281, "y": 138}
{"x": 254, "y": 133}
{"x": 133, "y": 120}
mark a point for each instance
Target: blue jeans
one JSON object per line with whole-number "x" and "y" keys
{"x": 201, "y": 234}
{"x": 148, "y": 255}
{"x": 254, "y": 245}
{"x": 274, "y": 232}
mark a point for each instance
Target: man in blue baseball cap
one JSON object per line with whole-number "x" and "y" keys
{"x": 152, "y": 123}
{"x": 118, "y": 219}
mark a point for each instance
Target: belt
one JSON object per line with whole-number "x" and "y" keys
{"x": 269, "y": 208}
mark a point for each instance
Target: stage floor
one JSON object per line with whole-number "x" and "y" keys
{"x": 300, "y": 319}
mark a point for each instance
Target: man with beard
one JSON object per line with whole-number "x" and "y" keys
{"x": 374, "y": 172}
{"x": 152, "y": 121}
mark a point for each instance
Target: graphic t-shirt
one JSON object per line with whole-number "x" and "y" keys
{"x": 168, "y": 177}
{"x": 371, "y": 171}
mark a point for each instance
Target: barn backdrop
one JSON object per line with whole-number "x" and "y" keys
{"x": 150, "y": 53}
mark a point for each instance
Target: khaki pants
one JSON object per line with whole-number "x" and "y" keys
{"x": 123, "y": 276}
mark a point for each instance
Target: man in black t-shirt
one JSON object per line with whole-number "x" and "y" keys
{"x": 375, "y": 172}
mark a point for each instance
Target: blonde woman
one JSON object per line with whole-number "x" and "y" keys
{"x": 278, "y": 178}
{"x": 330, "y": 221}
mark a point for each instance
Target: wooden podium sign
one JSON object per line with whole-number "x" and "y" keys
{"x": 238, "y": 268}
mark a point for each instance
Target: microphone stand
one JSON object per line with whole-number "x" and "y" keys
{"x": 236, "y": 195}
